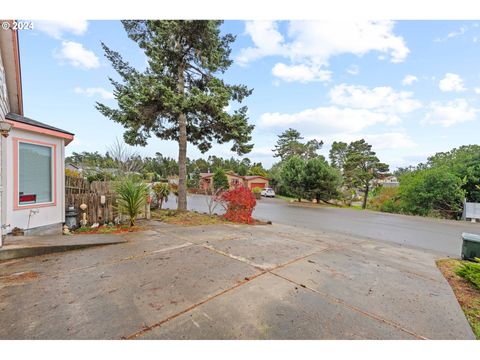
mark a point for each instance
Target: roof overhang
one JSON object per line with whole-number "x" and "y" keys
{"x": 253, "y": 177}
{"x": 41, "y": 129}
{"x": 9, "y": 49}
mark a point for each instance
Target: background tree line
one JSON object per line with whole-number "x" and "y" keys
{"x": 97, "y": 166}
{"x": 303, "y": 173}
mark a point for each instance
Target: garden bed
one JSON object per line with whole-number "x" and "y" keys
{"x": 192, "y": 218}
{"x": 467, "y": 294}
{"x": 105, "y": 229}
{"x": 186, "y": 218}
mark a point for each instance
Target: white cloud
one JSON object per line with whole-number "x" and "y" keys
{"x": 450, "y": 113}
{"x": 409, "y": 80}
{"x": 104, "y": 94}
{"x": 477, "y": 90}
{"x": 267, "y": 40}
{"x": 302, "y": 73}
{"x": 380, "y": 141}
{"x": 77, "y": 55}
{"x": 353, "y": 70}
{"x": 311, "y": 44}
{"x": 56, "y": 28}
{"x": 353, "y": 109}
{"x": 390, "y": 140}
{"x": 323, "y": 39}
{"x": 330, "y": 119}
{"x": 261, "y": 152}
{"x": 451, "y": 82}
{"x": 462, "y": 30}
{"x": 383, "y": 98}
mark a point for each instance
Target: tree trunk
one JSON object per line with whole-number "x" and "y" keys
{"x": 364, "y": 205}
{"x": 182, "y": 149}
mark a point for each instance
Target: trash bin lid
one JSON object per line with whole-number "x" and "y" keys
{"x": 471, "y": 237}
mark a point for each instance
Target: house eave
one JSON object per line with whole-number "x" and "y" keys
{"x": 11, "y": 62}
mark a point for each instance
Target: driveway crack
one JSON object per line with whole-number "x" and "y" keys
{"x": 354, "y": 308}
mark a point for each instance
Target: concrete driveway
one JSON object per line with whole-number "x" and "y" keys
{"x": 230, "y": 282}
{"x": 433, "y": 234}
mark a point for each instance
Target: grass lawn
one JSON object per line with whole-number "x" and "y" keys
{"x": 309, "y": 203}
{"x": 186, "y": 218}
{"x": 467, "y": 294}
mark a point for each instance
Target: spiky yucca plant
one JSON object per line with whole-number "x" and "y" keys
{"x": 131, "y": 197}
{"x": 161, "y": 190}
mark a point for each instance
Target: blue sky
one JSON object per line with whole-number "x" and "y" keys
{"x": 410, "y": 88}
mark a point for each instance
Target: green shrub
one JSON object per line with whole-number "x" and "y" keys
{"x": 432, "y": 191}
{"x": 470, "y": 271}
{"x": 101, "y": 176}
{"x": 257, "y": 192}
{"x": 131, "y": 197}
{"x": 386, "y": 199}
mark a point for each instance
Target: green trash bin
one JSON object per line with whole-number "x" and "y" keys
{"x": 470, "y": 246}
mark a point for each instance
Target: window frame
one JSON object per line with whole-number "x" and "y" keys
{"x": 16, "y": 167}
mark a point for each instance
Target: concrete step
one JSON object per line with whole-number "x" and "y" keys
{"x": 19, "y": 250}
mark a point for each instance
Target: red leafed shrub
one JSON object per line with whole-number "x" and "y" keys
{"x": 240, "y": 204}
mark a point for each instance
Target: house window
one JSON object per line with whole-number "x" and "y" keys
{"x": 35, "y": 185}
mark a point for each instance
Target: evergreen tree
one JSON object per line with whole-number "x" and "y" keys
{"x": 337, "y": 155}
{"x": 361, "y": 167}
{"x": 180, "y": 95}
{"x": 289, "y": 144}
{"x": 220, "y": 180}
{"x": 291, "y": 175}
{"x": 320, "y": 181}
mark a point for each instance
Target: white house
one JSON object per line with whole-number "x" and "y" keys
{"x": 32, "y": 155}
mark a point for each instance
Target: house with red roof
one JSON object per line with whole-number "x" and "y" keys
{"x": 251, "y": 181}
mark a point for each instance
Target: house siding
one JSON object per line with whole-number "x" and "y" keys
{"x": 52, "y": 215}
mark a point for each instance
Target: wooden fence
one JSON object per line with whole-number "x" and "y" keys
{"x": 79, "y": 191}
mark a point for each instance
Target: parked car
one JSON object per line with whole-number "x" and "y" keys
{"x": 268, "y": 192}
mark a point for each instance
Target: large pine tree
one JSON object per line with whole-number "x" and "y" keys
{"x": 290, "y": 143}
{"x": 180, "y": 96}
{"x": 361, "y": 166}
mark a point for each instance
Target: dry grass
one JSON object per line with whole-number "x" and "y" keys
{"x": 467, "y": 294}
{"x": 186, "y": 218}
{"x": 193, "y": 218}
{"x": 118, "y": 229}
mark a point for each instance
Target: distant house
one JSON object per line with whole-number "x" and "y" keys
{"x": 389, "y": 181}
{"x": 206, "y": 181}
{"x": 32, "y": 155}
{"x": 255, "y": 181}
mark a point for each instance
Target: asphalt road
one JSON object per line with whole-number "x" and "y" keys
{"x": 443, "y": 236}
